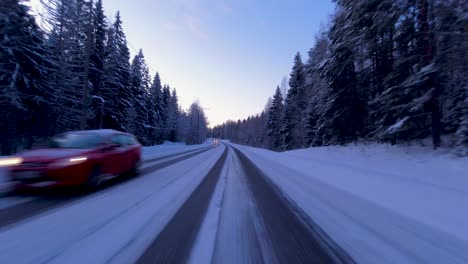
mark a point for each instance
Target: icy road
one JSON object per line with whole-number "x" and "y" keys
{"x": 219, "y": 204}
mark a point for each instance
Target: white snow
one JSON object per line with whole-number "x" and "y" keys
{"x": 382, "y": 204}
{"x": 114, "y": 225}
{"x": 394, "y": 128}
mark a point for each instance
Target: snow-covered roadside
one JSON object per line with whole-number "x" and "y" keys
{"x": 114, "y": 225}
{"x": 382, "y": 204}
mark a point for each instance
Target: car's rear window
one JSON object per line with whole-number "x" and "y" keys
{"x": 77, "y": 140}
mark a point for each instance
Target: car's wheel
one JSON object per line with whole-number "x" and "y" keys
{"x": 94, "y": 179}
{"x": 135, "y": 171}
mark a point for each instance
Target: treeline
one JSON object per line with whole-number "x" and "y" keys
{"x": 76, "y": 73}
{"x": 384, "y": 70}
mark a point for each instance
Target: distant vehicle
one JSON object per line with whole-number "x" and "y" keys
{"x": 78, "y": 158}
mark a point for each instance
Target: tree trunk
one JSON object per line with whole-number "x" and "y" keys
{"x": 87, "y": 61}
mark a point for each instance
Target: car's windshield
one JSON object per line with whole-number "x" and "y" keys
{"x": 76, "y": 140}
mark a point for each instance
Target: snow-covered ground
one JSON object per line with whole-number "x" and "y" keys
{"x": 382, "y": 204}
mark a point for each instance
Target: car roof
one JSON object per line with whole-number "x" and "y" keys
{"x": 102, "y": 132}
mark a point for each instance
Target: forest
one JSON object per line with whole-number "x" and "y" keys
{"x": 74, "y": 71}
{"x": 387, "y": 71}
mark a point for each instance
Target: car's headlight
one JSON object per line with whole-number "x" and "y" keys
{"x": 77, "y": 160}
{"x": 4, "y": 162}
{"x": 69, "y": 161}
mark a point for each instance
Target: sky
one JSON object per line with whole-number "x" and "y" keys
{"x": 228, "y": 54}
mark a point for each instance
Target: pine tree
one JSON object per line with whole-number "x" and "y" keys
{"x": 98, "y": 56}
{"x": 63, "y": 72}
{"x": 116, "y": 76}
{"x": 450, "y": 57}
{"x": 23, "y": 93}
{"x": 174, "y": 115}
{"x": 83, "y": 18}
{"x": 111, "y": 85}
{"x": 137, "y": 114}
{"x": 342, "y": 119}
{"x": 166, "y": 98}
{"x": 157, "y": 112}
{"x": 316, "y": 87}
{"x": 274, "y": 120}
{"x": 294, "y": 108}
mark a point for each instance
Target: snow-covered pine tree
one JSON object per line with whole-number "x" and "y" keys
{"x": 23, "y": 94}
{"x": 137, "y": 114}
{"x": 174, "y": 115}
{"x": 81, "y": 57}
{"x": 430, "y": 98}
{"x": 64, "y": 74}
{"x": 274, "y": 120}
{"x": 111, "y": 85}
{"x": 166, "y": 98}
{"x": 294, "y": 108}
{"x": 157, "y": 134}
{"x": 451, "y": 58}
{"x": 96, "y": 71}
{"x": 344, "y": 112}
{"x": 116, "y": 77}
{"x": 316, "y": 86}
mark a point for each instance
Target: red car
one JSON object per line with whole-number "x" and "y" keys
{"x": 84, "y": 158}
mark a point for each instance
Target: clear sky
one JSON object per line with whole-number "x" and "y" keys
{"x": 229, "y": 54}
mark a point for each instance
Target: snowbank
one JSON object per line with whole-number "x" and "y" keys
{"x": 383, "y": 204}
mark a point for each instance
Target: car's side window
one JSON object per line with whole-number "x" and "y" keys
{"x": 125, "y": 140}
{"x": 116, "y": 139}
{"x": 129, "y": 140}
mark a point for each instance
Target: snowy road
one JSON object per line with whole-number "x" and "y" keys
{"x": 202, "y": 205}
{"x": 232, "y": 204}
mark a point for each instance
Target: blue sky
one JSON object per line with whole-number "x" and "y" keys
{"x": 229, "y": 54}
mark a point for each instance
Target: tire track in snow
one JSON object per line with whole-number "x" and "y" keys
{"x": 293, "y": 238}
{"x": 174, "y": 243}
